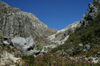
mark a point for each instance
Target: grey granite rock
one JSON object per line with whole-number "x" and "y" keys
{"x": 26, "y": 45}
{"x": 87, "y": 47}
{"x": 16, "y": 23}
{"x": 89, "y": 16}
{"x": 62, "y": 35}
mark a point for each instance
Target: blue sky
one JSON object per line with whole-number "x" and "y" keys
{"x": 54, "y": 13}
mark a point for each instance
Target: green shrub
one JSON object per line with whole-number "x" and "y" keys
{"x": 28, "y": 59}
{"x": 88, "y": 35}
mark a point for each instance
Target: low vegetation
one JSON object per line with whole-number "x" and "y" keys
{"x": 96, "y": 4}
{"x": 89, "y": 35}
{"x": 55, "y": 60}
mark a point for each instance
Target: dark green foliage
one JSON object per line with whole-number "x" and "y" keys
{"x": 88, "y": 35}
{"x": 28, "y": 59}
{"x": 96, "y": 4}
{"x": 58, "y": 60}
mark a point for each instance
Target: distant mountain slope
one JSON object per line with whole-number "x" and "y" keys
{"x": 61, "y": 34}
{"x": 23, "y": 34}
{"x": 83, "y": 39}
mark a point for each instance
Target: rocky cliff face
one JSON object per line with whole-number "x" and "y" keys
{"x": 62, "y": 35}
{"x": 29, "y": 34}
{"x": 14, "y": 22}
{"x": 91, "y": 13}
{"x": 27, "y": 29}
{"x": 86, "y": 37}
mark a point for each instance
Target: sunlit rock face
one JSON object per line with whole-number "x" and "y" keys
{"x": 22, "y": 27}
{"x": 7, "y": 59}
{"x": 26, "y": 45}
{"x": 62, "y": 35}
{"x": 14, "y": 22}
{"x": 26, "y": 30}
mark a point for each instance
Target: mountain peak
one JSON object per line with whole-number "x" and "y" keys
{"x": 2, "y": 4}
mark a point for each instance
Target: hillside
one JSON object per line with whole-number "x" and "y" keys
{"x": 83, "y": 39}
{"x": 23, "y": 29}
{"x": 26, "y": 41}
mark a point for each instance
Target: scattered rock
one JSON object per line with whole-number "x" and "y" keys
{"x": 6, "y": 42}
{"x": 81, "y": 45}
{"x": 87, "y": 47}
{"x": 7, "y": 58}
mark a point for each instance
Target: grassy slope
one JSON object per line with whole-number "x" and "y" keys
{"x": 89, "y": 35}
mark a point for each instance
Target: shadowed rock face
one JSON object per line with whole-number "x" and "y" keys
{"x": 98, "y": 1}
{"x": 90, "y": 15}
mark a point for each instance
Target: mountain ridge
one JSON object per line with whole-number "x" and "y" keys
{"x": 82, "y": 39}
{"x": 15, "y": 23}
{"x": 28, "y": 36}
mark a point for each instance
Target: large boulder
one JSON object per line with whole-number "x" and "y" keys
{"x": 25, "y": 44}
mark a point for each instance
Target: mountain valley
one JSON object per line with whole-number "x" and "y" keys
{"x": 26, "y": 41}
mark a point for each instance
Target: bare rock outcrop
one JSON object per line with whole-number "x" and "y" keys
{"x": 14, "y": 22}
{"x": 23, "y": 27}
{"x": 91, "y": 13}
